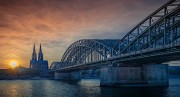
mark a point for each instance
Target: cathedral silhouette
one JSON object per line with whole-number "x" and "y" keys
{"x": 38, "y": 63}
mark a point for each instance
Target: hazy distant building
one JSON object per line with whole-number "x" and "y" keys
{"x": 38, "y": 63}
{"x": 21, "y": 69}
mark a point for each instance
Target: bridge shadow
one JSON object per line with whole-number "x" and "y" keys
{"x": 92, "y": 87}
{"x": 134, "y": 92}
{"x": 70, "y": 82}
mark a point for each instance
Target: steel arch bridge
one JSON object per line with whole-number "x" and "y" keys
{"x": 86, "y": 51}
{"x": 159, "y": 31}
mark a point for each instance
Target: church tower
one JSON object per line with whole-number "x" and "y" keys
{"x": 34, "y": 56}
{"x": 33, "y": 61}
{"x": 38, "y": 63}
{"x": 40, "y": 54}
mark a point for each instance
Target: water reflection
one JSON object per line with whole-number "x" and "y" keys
{"x": 38, "y": 88}
{"x": 83, "y": 88}
{"x": 133, "y": 92}
{"x": 9, "y": 88}
{"x": 91, "y": 87}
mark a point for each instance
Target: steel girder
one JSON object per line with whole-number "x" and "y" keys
{"x": 157, "y": 30}
{"x": 53, "y": 66}
{"x": 58, "y": 65}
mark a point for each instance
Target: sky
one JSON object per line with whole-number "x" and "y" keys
{"x": 58, "y": 23}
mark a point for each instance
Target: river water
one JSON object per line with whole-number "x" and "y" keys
{"x": 84, "y": 88}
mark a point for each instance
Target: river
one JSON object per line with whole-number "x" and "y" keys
{"x": 84, "y": 88}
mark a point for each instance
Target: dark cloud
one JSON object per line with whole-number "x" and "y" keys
{"x": 43, "y": 27}
{"x": 53, "y": 43}
{"x": 4, "y": 25}
{"x": 3, "y": 36}
{"x": 20, "y": 38}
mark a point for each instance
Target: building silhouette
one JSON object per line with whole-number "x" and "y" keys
{"x": 38, "y": 63}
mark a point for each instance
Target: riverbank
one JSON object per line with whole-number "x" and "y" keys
{"x": 22, "y": 78}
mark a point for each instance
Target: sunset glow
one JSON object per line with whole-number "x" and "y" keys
{"x": 13, "y": 64}
{"x": 58, "y": 23}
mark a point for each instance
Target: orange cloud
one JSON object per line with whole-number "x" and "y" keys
{"x": 58, "y": 23}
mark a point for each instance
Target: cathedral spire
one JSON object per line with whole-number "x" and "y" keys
{"x": 34, "y": 49}
{"x": 40, "y": 50}
{"x": 34, "y": 57}
{"x": 40, "y": 55}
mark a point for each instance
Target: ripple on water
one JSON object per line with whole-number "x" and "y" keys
{"x": 83, "y": 88}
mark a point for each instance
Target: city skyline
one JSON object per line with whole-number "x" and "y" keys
{"x": 57, "y": 24}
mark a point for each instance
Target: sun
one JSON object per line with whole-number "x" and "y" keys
{"x": 13, "y": 64}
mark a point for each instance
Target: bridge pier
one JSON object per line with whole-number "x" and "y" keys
{"x": 156, "y": 74}
{"x": 145, "y": 75}
{"x": 75, "y": 75}
{"x": 61, "y": 76}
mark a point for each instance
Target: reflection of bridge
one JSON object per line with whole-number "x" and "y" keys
{"x": 136, "y": 58}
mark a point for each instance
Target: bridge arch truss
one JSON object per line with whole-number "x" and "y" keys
{"x": 160, "y": 29}
{"x": 89, "y": 50}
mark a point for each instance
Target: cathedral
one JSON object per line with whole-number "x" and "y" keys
{"x": 38, "y": 63}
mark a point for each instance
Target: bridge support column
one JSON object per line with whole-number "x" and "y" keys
{"x": 145, "y": 75}
{"x": 120, "y": 76}
{"x": 75, "y": 75}
{"x": 156, "y": 74}
{"x": 61, "y": 76}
